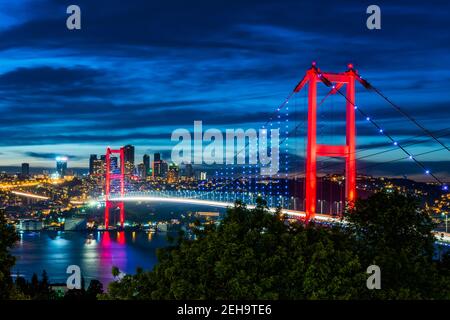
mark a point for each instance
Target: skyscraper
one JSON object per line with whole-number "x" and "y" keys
{"x": 25, "y": 169}
{"x": 128, "y": 154}
{"x": 146, "y": 160}
{"x": 61, "y": 166}
{"x": 141, "y": 170}
{"x": 99, "y": 167}
{"x": 92, "y": 159}
{"x": 172, "y": 174}
{"x": 160, "y": 168}
{"x": 157, "y": 157}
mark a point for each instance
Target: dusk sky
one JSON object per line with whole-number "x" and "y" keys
{"x": 139, "y": 69}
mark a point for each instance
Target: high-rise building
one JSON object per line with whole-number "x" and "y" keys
{"x": 160, "y": 168}
{"x": 172, "y": 174}
{"x": 99, "y": 167}
{"x": 202, "y": 175}
{"x": 128, "y": 154}
{"x": 146, "y": 160}
{"x": 157, "y": 157}
{"x": 141, "y": 170}
{"x": 25, "y": 169}
{"x": 61, "y": 166}
{"x": 92, "y": 159}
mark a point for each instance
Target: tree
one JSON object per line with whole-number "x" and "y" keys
{"x": 8, "y": 237}
{"x": 44, "y": 291}
{"x": 393, "y": 232}
{"x": 95, "y": 288}
{"x": 34, "y": 286}
{"x": 252, "y": 254}
{"x": 115, "y": 272}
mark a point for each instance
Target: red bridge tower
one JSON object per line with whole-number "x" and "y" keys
{"x": 314, "y": 150}
{"x": 111, "y": 177}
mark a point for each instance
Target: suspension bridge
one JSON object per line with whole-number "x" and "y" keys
{"x": 341, "y": 84}
{"x": 245, "y": 183}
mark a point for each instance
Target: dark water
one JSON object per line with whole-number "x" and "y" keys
{"x": 97, "y": 253}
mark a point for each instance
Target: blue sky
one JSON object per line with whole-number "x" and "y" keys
{"x": 139, "y": 69}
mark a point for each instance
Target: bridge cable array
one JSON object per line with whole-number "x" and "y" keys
{"x": 328, "y": 83}
{"x": 394, "y": 149}
{"x": 369, "y": 86}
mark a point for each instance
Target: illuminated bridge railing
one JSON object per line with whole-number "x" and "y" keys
{"x": 228, "y": 197}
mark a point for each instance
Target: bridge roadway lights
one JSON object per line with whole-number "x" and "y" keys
{"x": 314, "y": 150}
{"x": 324, "y": 218}
{"x": 109, "y": 204}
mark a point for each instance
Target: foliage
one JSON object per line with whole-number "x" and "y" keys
{"x": 35, "y": 289}
{"x": 393, "y": 232}
{"x": 252, "y": 254}
{"x": 8, "y": 237}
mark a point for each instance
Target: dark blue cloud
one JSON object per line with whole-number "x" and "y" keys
{"x": 138, "y": 70}
{"x": 50, "y": 156}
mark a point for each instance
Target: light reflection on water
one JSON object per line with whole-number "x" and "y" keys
{"x": 96, "y": 254}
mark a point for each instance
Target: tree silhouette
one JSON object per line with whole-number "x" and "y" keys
{"x": 8, "y": 237}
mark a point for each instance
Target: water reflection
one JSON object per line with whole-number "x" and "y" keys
{"x": 96, "y": 253}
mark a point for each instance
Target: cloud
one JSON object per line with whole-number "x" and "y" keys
{"x": 136, "y": 71}
{"x": 49, "y": 156}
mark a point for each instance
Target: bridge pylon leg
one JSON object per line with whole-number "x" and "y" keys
{"x": 106, "y": 215}
{"x": 114, "y": 176}
{"x": 311, "y": 155}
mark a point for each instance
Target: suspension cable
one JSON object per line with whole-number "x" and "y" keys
{"x": 369, "y": 86}
{"x": 328, "y": 83}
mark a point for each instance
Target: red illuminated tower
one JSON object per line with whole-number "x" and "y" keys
{"x": 314, "y": 150}
{"x": 114, "y": 176}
